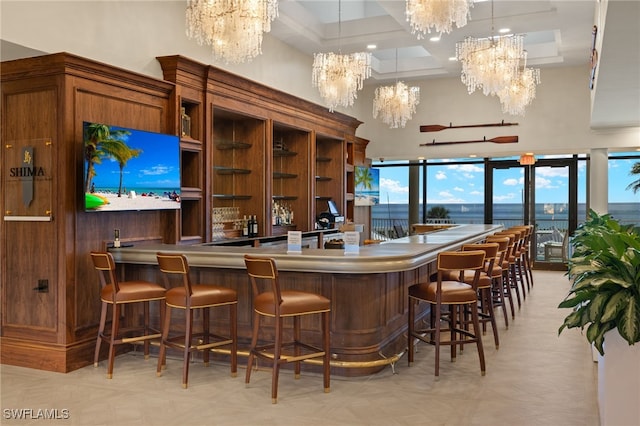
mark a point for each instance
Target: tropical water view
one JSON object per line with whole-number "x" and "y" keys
{"x": 547, "y": 216}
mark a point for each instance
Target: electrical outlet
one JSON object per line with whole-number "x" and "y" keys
{"x": 43, "y": 286}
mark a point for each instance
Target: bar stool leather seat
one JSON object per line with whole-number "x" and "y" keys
{"x": 456, "y": 296}
{"x": 452, "y": 292}
{"x": 117, "y": 294}
{"x": 188, "y": 297}
{"x": 484, "y": 284}
{"x": 271, "y": 301}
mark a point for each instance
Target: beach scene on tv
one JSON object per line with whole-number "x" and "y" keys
{"x": 128, "y": 169}
{"x": 367, "y": 186}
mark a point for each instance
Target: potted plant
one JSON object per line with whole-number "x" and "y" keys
{"x": 605, "y": 298}
{"x": 605, "y": 269}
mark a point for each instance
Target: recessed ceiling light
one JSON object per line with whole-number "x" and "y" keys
{"x": 504, "y": 30}
{"x": 436, "y": 38}
{"x": 420, "y": 158}
{"x": 453, "y": 58}
{"x": 371, "y": 46}
{"x": 472, "y": 155}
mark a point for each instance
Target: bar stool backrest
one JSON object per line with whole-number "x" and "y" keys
{"x": 490, "y": 252}
{"x": 461, "y": 261}
{"x": 503, "y": 246}
{"x": 262, "y": 268}
{"x": 175, "y": 264}
{"x": 106, "y": 266}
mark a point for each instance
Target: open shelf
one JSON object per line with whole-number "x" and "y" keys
{"x": 223, "y": 145}
{"x": 231, "y": 197}
{"x": 283, "y": 153}
{"x": 282, "y": 175}
{"x": 223, "y": 170}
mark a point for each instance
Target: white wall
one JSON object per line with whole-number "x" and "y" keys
{"x": 130, "y": 34}
{"x": 556, "y": 122}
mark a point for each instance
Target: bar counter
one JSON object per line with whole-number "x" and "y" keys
{"x": 368, "y": 290}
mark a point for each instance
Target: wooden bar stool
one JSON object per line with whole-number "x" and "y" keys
{"x": 280, "y": 304}
{"x": 503, "y": 288}
{"x": 526, "y": 251}
{"x": 454, "y": 294}
{"x": 484, "y": 286}
{"x": 126, "y": 293}
{"x": 190, "y": 297}
{"x": 509, "y": 264}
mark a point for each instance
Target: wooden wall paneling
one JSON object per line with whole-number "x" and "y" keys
{"x": 104, "y": 103}
{"x": 75, "y": 90}
{"x": 29, "y": 248}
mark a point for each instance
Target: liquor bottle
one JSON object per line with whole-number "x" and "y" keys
{"x": 185, "y": 123}
{"x": 255, "y": 226}
{"x": 245, "y": 227}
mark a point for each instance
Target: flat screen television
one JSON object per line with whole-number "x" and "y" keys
{"x": 129, "y": 169}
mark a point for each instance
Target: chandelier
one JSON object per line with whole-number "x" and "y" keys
{"x": 233, "y": 28}
{"x": 422, "y": 15}
{"x": 338, "y": 76}
{"x": 520, "y": 92}
{"x": 395, "y": 104}
{"x": 490, "y": 63}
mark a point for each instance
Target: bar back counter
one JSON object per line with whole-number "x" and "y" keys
{"x": 368, "y": 290}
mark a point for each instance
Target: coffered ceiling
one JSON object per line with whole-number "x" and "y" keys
{"x": 556, "y": 33}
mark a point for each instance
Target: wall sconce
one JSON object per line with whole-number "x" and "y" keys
{"x": 527, "y": 159}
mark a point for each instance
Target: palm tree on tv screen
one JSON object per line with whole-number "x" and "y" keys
{"x": 101, "y": 142}
{"x": 363, "y": 177}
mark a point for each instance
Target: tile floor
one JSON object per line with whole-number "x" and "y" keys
{"x": 535, "y": 378}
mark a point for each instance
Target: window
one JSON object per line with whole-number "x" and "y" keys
{"x": 624, "y": 204}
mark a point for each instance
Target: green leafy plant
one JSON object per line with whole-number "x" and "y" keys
{"x": 605, "y": 269}
{"x": 438, "y": 212}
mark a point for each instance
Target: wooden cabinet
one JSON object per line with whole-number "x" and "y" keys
{"x": 238, "y": 163}
{"x": 188, "y": 103}
{"x": 330, "y": 173}
{"x": 191, "y": 224}
{"x": 290, "y": 189}
{"x": 259, "y": 146}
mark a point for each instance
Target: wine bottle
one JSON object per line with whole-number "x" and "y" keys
{"x": 255, "y": 226}
{"x": 245, "y": 227}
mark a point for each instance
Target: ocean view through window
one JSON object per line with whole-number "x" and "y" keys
{"x": 458, "y": 187}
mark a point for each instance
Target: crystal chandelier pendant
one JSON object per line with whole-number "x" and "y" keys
{"x": 338, "y": 77}
{"x": 233, "y": 28}
{"x": 491, "y": 63}
{"x": 515, "y": 97}
{"x": 395, "y": 104}
{"x": 423, "y": 15}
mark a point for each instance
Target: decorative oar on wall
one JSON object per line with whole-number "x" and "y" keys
{"x": 438, "y": 127}
{"x": 498, "y": 139}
